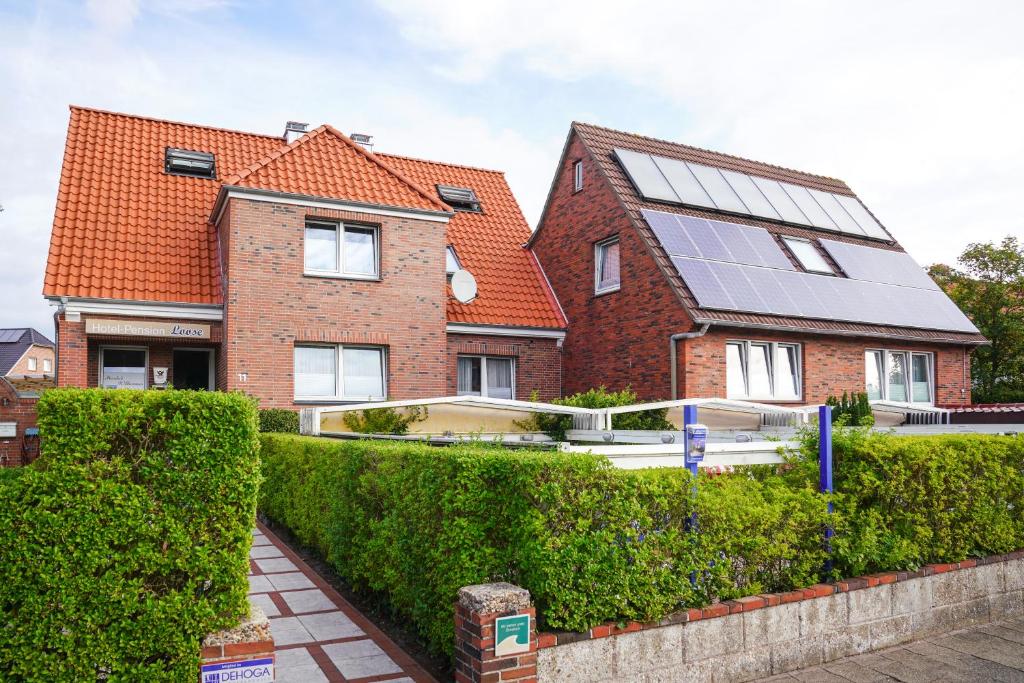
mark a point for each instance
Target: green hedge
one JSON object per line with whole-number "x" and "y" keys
{"x": 127, "y": 541}
{"x": 279, "y": 420}
{"x": 590, "y": 542}
{"x": 905, "y": 501}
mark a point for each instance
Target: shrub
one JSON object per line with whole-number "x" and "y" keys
{"x": 556, "y": 426}
{"x": 384, "y": 420}
{"x": 590, "y": 542}
{"x": 279, "y": 420}
{"x": 905, "y": 501}
{"x": 127, "y": 540}
{"x": 852, "y": 409}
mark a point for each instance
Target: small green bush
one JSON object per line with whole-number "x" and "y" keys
{"x": 556, "y": 426}
{"x": 279, "y": 420}
{"x": 384, "y": 420}
{"x": 127, "y": 541}
{"x": 905, "y": 501}
{"x": 590, "y": 542}
{"x": 852, "y": 409}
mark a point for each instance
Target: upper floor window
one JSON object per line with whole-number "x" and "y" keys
{"x": 342, "y": 250}
{"x": 762, "y": 370}
{"x": 32, "y": 364}
{"x": 47, "y": 365}
{"x": 331, "y": 372}
{"x": 451, "y": 260}
{"x": 807, "y": 255}
{"x": 188, "y": 162}
{"x": 606, "y": 266}
{"x": 486, "y": 376}
{"x": 901, "y": 376}
{"x": 577, "y": 176}
{"x": 459, "y": 198}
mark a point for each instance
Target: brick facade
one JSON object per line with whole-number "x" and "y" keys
{"x": 538, "y": 362}
{"x": 38, "y": 352}
{"x": 621, "y": 338}
{"x": 21, "y": 411}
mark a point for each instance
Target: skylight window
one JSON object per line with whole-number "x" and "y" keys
{"x": 187, "y": 162}
{"x": 451, "y": 260}
{"x": 459, "y": 198}
{"x": 808, "y": 256}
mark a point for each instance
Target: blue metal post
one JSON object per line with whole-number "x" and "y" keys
{"x": 825, "y": 472}
{"x": 689, "y": 418}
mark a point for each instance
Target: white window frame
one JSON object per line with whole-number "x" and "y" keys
{"x": 47, "y": 365}
{"x": 32, "y": 363}
{"x": 908, "y": 354}
{"x": 341, "y": 272}
{"x": 211, "y": 363}
{"x": 483, "y": 373}
{"x": 773, "y": 355}
{"x": 339, "y": 374}
{"x": 577, "y": 175}
{"x": 102, "y": 349}
{"x": 598, "y": 248}
{"x": 828, "y": 269}
{"x": 449, "y": 252}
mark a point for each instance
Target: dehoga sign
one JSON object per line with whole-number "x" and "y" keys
{"x": 124, "y": 328}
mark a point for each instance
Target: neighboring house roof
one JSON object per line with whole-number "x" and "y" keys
{"x": 14, "y": 342}
{"x": 511, "y": 288}
{"x": 601, "y": 143}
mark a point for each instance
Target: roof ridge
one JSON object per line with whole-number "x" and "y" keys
{"x": 154, "y": 119}
{"x": 272, "y": 156}
{"x": 711, "y": 151}
{"x": 439, "y": 163}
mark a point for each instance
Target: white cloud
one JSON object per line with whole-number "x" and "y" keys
{"x": 112, "y": 15}
{"x": 917, "y": 105}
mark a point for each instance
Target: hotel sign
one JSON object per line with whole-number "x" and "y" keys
{"x": 148, "y": 328}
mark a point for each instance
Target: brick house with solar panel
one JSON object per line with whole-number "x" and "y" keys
{"x": 303, "y": 269}
{"x": 688, "y": 273}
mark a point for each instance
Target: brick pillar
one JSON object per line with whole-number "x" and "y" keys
{"x": 475, "y": 614}
{"x": 72, "y": 353}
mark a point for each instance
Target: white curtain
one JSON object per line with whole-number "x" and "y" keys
{"x": 466, "y": 372}
{"x": 499, "y": 377}
{"x": 364, "y": 373}
{"x": 609, "y": 275}
{"x": 360, "y": 256}
{"x": 315, "y": 371}
{"x": 321, "y": 248}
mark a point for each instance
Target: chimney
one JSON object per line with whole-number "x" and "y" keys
{"x": 363, "y": 139}
{"x": 293, "y": 130}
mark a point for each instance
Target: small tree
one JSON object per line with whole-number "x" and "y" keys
{"x": 988, "y": 286}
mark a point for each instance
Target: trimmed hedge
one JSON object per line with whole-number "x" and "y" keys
{"x": 906, "y": 501}
{"x": 279, "y": 420}
{"x": 590, "y": 542}
{"x": 127, "y": 541}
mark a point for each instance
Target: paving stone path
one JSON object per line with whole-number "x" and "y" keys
{"x": 992, "y": 652}
{"x": 319, "y": 636}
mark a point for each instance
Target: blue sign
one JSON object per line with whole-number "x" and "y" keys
{"x": 251, "y": 670}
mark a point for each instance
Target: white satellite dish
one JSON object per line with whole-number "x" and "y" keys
{"x": 463, "y": 286}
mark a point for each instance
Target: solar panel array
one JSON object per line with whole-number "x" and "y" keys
{"x": 716, "y": 240}
{"x": 684, "y": 182}
{"x": 878, "y": 265}
{"x": 9, "y": 336}
{"x": 742, "y": 268}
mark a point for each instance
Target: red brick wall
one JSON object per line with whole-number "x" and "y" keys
{"x": 614, "y": 339}
{"x": 19, "y": 410}
{"x": 40, "y": 353}
{"x": 270, "y": 304}
{"x": 538, "y": 362}
{"x": 72, "y": 353}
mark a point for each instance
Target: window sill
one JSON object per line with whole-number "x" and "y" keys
{"x": 602, "y": 292}
{"x": 336, "y": 400}
{"x": 342, "y": 276}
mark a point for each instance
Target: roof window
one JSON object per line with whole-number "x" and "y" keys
{"x": 808, "y": 256}
{"x": 451, "y": 261}
{"x": 186, "y": 162}
{"x": 459, "y": 198}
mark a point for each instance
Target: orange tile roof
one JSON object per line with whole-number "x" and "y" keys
{"x": 124, "y": 229}
{"x": 326, "y": 163}
{"x": 511, "y": 287}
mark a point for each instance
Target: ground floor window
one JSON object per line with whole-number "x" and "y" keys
{"x": 193, "y": 369}
{"x": 123, "y": 367}
{"x": 902, "y": 376}
{"x": 762, "y": 370}
{"x": 486, "y": 376}
{"x": 351, "y": 373}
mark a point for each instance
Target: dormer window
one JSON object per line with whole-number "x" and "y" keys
{"x": 187, "y": 162}
{"x": 451, "y": 261}
{"x": 459, "y": 198}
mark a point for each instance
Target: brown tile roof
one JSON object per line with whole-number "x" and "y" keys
{"x": 123, "y": 229}
{"x": 326, "y": 163}
{"x": 511, "y": 288}
{"x": 602, "y": 141}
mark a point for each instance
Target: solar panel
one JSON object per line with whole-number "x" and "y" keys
{"x": 645, "y": 176}
{"x": 683, "y": 182}
{"x": 720, "y": 191}
{"x": 751, "y": 196}
{"x": 809, "y": 206}
{"x": 754, "y": 289}
{"x": 836, "y": 212}
{"x": 716, "y": 240}
{"x": 781, "y": 202}
{"x": 10, "y": 336}
{"x": 878, "y": 265}
{"x": 864, "y": 219}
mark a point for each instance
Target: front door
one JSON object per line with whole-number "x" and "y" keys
{"x": 193, "y": 369}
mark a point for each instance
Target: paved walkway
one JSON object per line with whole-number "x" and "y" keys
{"x": 318, "y": 635}
{"x": 992, "y": 652}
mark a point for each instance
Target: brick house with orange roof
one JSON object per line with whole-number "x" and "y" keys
{"x": 303, "y": 269}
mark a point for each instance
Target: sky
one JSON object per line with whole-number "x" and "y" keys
{"x": 917, "y": 105}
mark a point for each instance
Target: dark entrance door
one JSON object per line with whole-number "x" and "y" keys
{"x": 193, "y": 369}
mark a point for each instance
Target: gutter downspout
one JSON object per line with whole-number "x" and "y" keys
{"x": 672, "y": 354}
